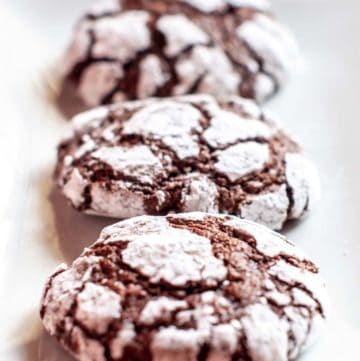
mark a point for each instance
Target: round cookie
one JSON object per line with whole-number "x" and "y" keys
{"x": 184, "y": 154}
{"x": 189, "y": 287}
{"x": 142, "y": 49}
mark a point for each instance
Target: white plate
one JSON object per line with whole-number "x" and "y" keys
{"x": 38, "y": 231}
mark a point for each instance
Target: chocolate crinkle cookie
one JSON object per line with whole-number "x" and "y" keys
{"x": 134, "y": 49}
{"x": 184, "y": 154}
{"x": 194, "y": 287}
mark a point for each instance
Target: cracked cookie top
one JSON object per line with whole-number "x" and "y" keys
{"x": 134, "y": 49}
{"x": 192, "y": 287}
{"x": 183, "y": 154}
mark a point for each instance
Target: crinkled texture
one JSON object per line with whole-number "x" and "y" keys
{"x": 180, "y": 33}
{"x": 96, "y": 307}
{"x": 185, "y": 154}
{"x": 161, "y": 288}
{"x": 137, "y": 162}
{"x": 199, "y": 194}
{"x": 196, "y": 46}
{"x": 207, "y": 69}
{"x": 267, "y": 39}
{"x": 152, "y": 75}
{"x": 175, "y": 256}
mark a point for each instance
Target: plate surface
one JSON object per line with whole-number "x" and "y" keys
{"x": 39, "y": 231}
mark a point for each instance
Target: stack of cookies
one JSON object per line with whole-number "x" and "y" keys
{"x": 176, "y": 145}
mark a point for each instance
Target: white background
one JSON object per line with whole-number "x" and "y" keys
{"x": 38, "y": 231}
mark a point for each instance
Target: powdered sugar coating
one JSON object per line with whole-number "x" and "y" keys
{"x": 210, "y": 69}
{"x": 293, "y": 275}
{"x": 87, "y": 146}
{"x": 118, "y": 201}
{"x": 222, "y": 338}
{"x": 89, "y": 119}
{"x": 156, "y": 310}
{"x": 299, "y": 328}
{"x": 74, "y": 188}
{"x": 151, "y": 77}
{"x": 138, "y": 162}
{"x": 199, "y": 194}
{"x": 111, "y": 298}
{"x": 246, "y": 106}
{"x": 271, "y": 244}
{"x": 123, "y": 36}
{"x": 123, "y": 338}
{"x": 97, "y": 306}
{"x": 302, "y": 298}
{"x": 207, "y": 6}
{"x": 226, "y": 128}
{"x": 177, "y": 257}
{"x": 63, "y": 293}
{"x": 263, "y": 87}
{"x": 303, "y": 179}
{"x": 100, "y": 7}
{"x": 171, "y": 122}
{"x": 278, "y": 298}
{"x": 272, "y": 42}
{"x": 180, "y": 33}
{"x": 268, "y": 209}
{"x": 266, "y": 334}
{"x": 208, "y": 312}
{"x": 241, "y": 159}
{"x": 168, "y": 341}
{"x": 184, "y": 154}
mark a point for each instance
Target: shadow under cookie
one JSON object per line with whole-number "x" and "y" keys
{"x": 75, "y": 230}
{"x": 50, "y": 350}
{"x": 67, "y": 100}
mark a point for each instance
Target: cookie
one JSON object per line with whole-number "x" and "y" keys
{"x": 162, "y": 48}
{"x": 190, "y": 153}
{"x": 188, "y": 287}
